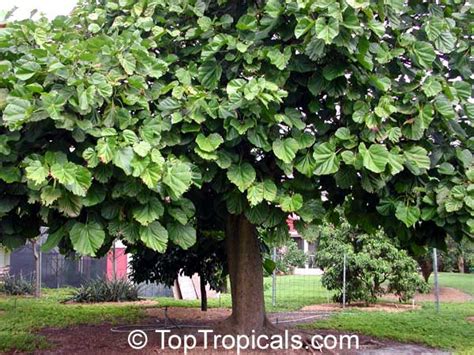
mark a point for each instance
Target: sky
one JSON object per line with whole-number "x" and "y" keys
{"x": 51, "y": 8}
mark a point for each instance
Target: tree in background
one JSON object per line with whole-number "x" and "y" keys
{"x": 206, "y": 257}
{"x": 375, "y": 265}
{"x": 114, "y": 119}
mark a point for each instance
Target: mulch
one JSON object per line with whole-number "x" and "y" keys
{"x": 112, "y": 339}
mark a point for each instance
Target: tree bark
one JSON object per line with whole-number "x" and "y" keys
{"x": 246, "y": 278}
{"x": 202, "y": 284}
{"x": 461, "y": 263}
{"x": 426, "y": 267}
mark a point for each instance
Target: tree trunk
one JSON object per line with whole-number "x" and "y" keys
{"x": 461, "y": 263}
{"x": 246, "y": 278}
{"x": 202, "y": 283}
{"x": 426, "y": 266}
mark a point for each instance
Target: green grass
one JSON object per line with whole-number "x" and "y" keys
{"x": 20, "y": 317}
{"x": 293, "y": 293}
{"x": 463, "y": 282}
{"x": 447, "y": 330}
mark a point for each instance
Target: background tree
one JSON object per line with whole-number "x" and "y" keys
{"x": 114, "y": 117}
{"x": 375, "y": 265}
{"x": 206, "y": 257}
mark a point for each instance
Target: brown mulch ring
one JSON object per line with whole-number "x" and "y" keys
{"x": 380, "y": 306}
{"x": 446, "y": 294}
{"x": 109, "y": 339}
{"x": 470, "y": 319}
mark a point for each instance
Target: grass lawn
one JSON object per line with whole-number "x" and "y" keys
{"x": 447, "y": 330}
{"x": 293, "y": 293}
{"x": 463, "y": 282}
{"x": 20, "y": 317}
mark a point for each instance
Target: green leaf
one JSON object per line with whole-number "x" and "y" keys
{"x": 149, "y": 212}
{"x": 311, "y": 210}
{"x": 106, "y": 149}
{"x": 75, "y": 178}
{"x": 17, "y": 112}
{"x": 209, "y": 74}
{"x": 182, "y": 235}
{"x": 358, "y": 4}
{"x": 291, "y": 203}
{"x": 286, "y": 149}
{"x": 128, "y": 62}
{"x": 407, "y": 214}
{"x": 154, "y": 236}
{"x": 87, "y": 238}
{"x": 247, "y": 23}
{"x": 53, "y": 239}
{"x": 431, "y": 87}
{"x": 36, "y": 172}
{"x": 279, "y": 59}
{"x": 304, "y": 25}
{"x": 151, "y": 175}
{"x": 178, "y": 178}
{"x": 424, "y": 54}
{"x": 416, "y": 159}
{"x": 326, "y": 29}
{"x": 326, "y": 159}
{"x": 123, "y": 159}
{"x": 10, "y": 174}
{"x": 306, "y": 164}
{"x": 209, "y": 143}
{"x": 242, "y": 175}
{"x": 142, "y": 148}
{"x": 375, "y": 158}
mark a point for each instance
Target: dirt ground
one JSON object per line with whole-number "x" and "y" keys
{"x": 446, "y": 294}
{"x": 113, "y": 339}
{"x": 381, "y": 306}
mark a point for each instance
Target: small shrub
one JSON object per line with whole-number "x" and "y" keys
{"x": 290, "y": 257}
{"x": 102, "y": 290}
{"x": 375, "y": 266}
{"x": 17, "y": 285}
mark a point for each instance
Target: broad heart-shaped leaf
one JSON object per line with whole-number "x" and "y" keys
{"x": 10, "y": 174}
{"x": 123, "y": 159}
{"x": 260, "y": 191}
{"x": 291, "y": 203}
{"x": 178, "y": 178}
{"x": 142, "y": 148}
{"x": 286, "y": 149}
{"x": 375, "y": 158}
{"x": 242, "y": 175}
{"x": 326, "y": 29}
{"x": 209, "y": 74}
{"x": 87, "y": 238}
{"x": 149, "y": 212}
{"x": 128, "y": 62}
{"x": 75, "y": 178}
{"x": 36, "y": 172}
{"x": 209, "y": 143}
{"x": 304, "y": 25}
{"x": 358, "y": 4}
{"x": 17, "y": 112}
{"x": 151, "y": 175}
{"x": 416, "y": 159}
{"x": 154, "y": 236}
{"x": 182, "y": 235}
{"x": 407, "y": 214}
{"x": 53, "y": 239}
{"x": 424, "y": 54}
{"x": 326, "y": 160}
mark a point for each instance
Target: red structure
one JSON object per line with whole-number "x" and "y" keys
{"x": 121, "y": 264}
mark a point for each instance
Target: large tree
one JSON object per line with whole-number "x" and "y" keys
{"x": 115, "y": 117}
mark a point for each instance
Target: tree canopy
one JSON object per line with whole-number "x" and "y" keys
{"x": 112, "y": 116}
